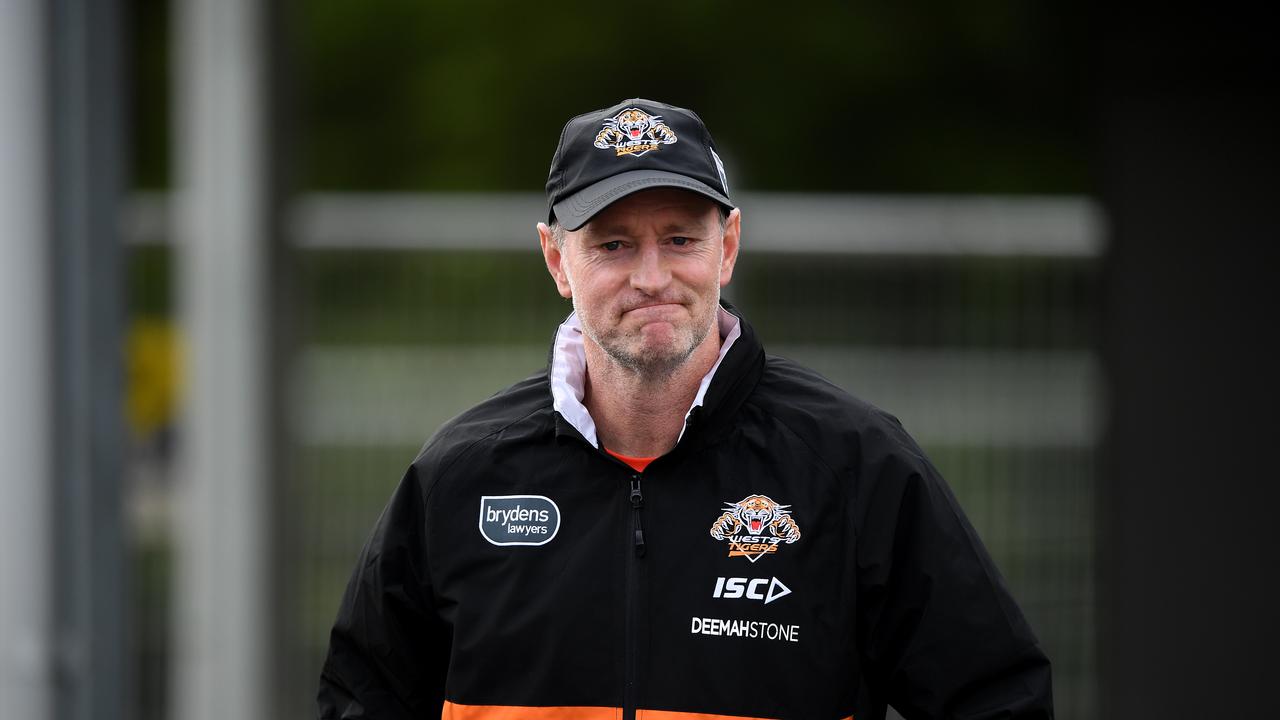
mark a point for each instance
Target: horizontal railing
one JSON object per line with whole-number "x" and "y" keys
{"x": 942, "y": 225}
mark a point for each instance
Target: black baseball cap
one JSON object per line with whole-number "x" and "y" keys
{"x": 605, "y": 155}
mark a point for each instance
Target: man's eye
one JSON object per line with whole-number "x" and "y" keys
{"x": 679, "y": 240}
{"x": 612, "y": 245}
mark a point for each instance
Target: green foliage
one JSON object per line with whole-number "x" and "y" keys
{"x": 963, "y": 97}
{"x": 838, "y": 96}
{"x": 148, "y": 66}
{"x": 150, "y": 280}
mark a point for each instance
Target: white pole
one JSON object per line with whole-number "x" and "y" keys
{"x": 223, "y": 647}
{"x": 26, "y": 623}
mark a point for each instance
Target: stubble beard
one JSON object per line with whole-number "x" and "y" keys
{"x": 650, "y": 363}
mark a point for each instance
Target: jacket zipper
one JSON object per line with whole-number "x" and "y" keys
{"x": 631, "y": 661}
{"x": 637, "y": 502}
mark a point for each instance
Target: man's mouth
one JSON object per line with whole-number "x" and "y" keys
{"x": 646, "y": 306}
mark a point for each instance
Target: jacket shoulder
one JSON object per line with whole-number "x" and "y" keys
{"x": 523, "y": 407}
{"x": 830, "y": 419}
{"x": 791, "y": 391}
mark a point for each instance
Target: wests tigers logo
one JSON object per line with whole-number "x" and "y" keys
{"x": 755, "y": 526}
{"x": 634, "y": 132}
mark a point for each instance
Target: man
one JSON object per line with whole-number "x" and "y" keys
{"x": 669, "y": 523}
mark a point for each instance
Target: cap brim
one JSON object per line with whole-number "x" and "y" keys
{"x": 574, "y": 211}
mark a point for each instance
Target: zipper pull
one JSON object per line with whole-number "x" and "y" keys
{"x": 637, "y": 501}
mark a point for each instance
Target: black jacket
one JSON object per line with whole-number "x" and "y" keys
{"x": 794, "y": 556}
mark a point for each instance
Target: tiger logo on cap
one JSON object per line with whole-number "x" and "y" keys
{"x": 634, "y": 132}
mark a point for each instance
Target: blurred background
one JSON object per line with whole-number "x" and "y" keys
{"x": 255, "y": 253}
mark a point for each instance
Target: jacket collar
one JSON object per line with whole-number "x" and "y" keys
{"x": 720, "y": 393}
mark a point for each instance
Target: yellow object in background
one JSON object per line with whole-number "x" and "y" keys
{"x": 154, "y": 375}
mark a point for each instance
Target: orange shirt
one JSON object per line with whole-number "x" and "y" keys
{"x": 637, "y": 463}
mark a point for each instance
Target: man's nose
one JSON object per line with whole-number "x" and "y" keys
{"x": 650, "y": 274}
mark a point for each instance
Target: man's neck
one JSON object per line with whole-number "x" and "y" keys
{"x": 640, "y": 415}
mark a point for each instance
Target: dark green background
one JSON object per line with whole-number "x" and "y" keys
{"x": 984, "y": 96}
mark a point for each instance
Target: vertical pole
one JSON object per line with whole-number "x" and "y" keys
{"x": 224, "y": 221}
{"x": 26, "y": 648}
{"x": 86, "y": 187}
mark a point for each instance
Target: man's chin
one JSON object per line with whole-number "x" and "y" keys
{"x": 649, "y": 360}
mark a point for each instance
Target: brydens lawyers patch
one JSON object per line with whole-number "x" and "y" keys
{"x": 518, "y": 519}
{"x": 634, "y": 132}
{"x": 755, "y": 526}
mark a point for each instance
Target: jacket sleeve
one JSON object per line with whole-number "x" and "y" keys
{"x": 939, "y": 632}
{"x": 389, "y": 649}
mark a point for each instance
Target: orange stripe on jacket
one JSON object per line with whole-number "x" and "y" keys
{"x": 673, "y": 715}
{"x": 454, "y": 711}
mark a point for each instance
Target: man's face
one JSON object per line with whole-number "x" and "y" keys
{"x": 645, "y": 276}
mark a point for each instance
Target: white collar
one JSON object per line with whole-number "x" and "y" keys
{"x": 569, "y": 373}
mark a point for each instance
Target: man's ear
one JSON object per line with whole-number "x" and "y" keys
{"x": 555, "y": 260}
{"x": 732, "y": 239}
